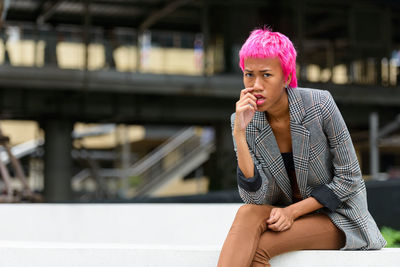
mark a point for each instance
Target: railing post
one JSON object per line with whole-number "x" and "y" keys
{"x": 373, "y": 144}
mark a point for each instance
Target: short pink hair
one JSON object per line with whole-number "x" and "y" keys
{"x": 264, "y": 43}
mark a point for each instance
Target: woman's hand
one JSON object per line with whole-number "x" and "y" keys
{"x": 245, "y": 109}
{"x": 280, "y": 219}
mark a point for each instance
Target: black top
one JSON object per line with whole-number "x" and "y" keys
{"x": 291, "y": 172}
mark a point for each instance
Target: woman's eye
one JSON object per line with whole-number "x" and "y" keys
{"x": 267, "y": 75}
{"x": 248, "y": 74}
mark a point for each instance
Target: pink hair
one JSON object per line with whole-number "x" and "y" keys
{"x": 264, "y": 43}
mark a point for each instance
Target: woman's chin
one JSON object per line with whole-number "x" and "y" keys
{"x": 261, "y": 108}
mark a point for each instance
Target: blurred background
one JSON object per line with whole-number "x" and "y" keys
{"x": 130, "y": 100}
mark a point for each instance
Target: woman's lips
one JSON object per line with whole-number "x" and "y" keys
{"x": 260, "y": 100}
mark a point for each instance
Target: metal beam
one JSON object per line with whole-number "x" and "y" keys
{"x": 4, "y": 5}
{"x": 324, "y": 26}
{"x": 48, "y": 12}
{"x": 390, "y": 128}
{"x": 159, "y": 14}
{"x": 375, "y": 136}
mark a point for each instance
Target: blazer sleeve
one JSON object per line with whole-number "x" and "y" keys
{"x": 252, "y": 190}
{"x": 347, "y": 179}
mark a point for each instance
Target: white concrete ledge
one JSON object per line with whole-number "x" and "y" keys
{"x": 141, "y": 235}
{"x": 42, "y": 254}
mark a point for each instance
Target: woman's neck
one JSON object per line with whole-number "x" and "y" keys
{"x": 281, "y": 112}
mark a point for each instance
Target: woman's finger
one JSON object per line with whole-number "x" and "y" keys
{"x": 247, "y": 96}
{"x": 285, "y": 227}
{"x": 288, "y": 226}
{"x": 247, "y": 101}
{"x": 246, "y": 90}
{"x": 273, "y": 218}
{"x": 244, "y": 108}
{"x": 251, "y": 97}
{"x": 279, "y": 224}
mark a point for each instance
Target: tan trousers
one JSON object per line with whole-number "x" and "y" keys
{"x": 249, "y": 243}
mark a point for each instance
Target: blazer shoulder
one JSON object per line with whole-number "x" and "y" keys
{"x": 313, "y": 97}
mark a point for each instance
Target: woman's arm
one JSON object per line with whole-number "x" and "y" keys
{"x": 252, "y": 190}
{"x": 347, "y": 179}
{"x": 249, "y": 179}
{"x": 282, "y": 219}
{"x": 304, "y": 207}
{"x": 245, "y": 110}
{"x": 247, "y": 174}
{"x": 245, "y": 162}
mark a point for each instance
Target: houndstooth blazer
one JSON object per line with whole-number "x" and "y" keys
{"x": 325, "y": 163}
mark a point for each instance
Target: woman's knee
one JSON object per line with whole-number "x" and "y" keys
{"x": 253, "y": 213}
{"x": 261, "y": 256}
{"x": 246, "y": 209}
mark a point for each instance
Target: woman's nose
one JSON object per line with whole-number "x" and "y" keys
{"x": 257, "y": 84}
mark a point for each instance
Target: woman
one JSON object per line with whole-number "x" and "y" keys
{"x": 297, "y": 168}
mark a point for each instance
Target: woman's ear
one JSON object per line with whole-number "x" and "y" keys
{"x": 289, "y": 79}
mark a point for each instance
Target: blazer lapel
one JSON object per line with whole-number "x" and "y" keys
{"x": 267, "y": 148}
{"x": 300, "y": 139}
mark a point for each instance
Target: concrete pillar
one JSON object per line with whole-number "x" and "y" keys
{"x": 227, "y": 33}
{"x": 205, "y": 28}
{"x": 300, "y": 17}
{"x": 373, "y": 144}
{"x": 223, "y": 174}
{"x": 58, "y": 160}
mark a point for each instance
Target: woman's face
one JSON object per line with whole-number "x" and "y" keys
{"x": 265, "y": 75}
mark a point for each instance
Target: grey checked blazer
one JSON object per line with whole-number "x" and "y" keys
{"x": 325, "y": 162}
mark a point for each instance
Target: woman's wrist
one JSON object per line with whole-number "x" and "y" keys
{"x": 239, "y": 134}
{"x": 291, "y": 209}
{"x": 303, "y": 207}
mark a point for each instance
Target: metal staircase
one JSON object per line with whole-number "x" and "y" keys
{"x": 174, "y": 159}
